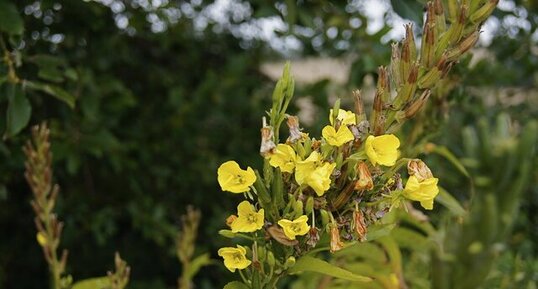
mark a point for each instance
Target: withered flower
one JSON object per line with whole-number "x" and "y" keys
{"x": 267, "y": 146}
{"x": 419, "y": 169}
{"x": 313, "y": 237}
{"x": 336, "y": 243}
{"x": 278, "y": 234}
{"x": 359, "y": 225}
{"x": 295, "y": 131}
{"x": 365, "y": 181}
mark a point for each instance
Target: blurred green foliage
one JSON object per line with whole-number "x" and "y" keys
{"x": 160, "y": 101}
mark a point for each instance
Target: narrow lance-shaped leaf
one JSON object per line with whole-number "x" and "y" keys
{"x": 312, "y": 264}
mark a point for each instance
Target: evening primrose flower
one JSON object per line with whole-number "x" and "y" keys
{"x": 320, "y": 178}
{"x": 423, "y": 191}
{"x": 344, "y": 116}
{"x": 233, "y": 179}
{"x": 337, "y": 138}
{"x": 234, "y": 258}
{"x": 305, "y": 168}
{"x": 297, "y": 227}
{"x": 382, "y": 149}
{"x": 284, "y": 157}
{"x": 248, "y": 219}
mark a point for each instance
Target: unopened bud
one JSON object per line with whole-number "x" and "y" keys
{"x": 271, "y": 259}
{"x": 290, "y": 262}
{"x": 230, "y": 220}
{"x": 267, "y": 146}
{"x": 261, "y": 253}
{"x": 227, "y": 234}
{"x": 324, "y": 217}
{"x": 483, "y": 12}
{"x": 309, "y": 205}
{"x": 365, "y": 181}
{"x": 298, "y": 208}
{"x": 295, "y": 131}
{"x": 359, "y": 225}
{"x": 419, "y": 169}
{"x": 336, "y": 243}
{"x": 41, "y": 239}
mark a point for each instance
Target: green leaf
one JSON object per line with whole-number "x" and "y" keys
{"x": 378, "y": 231}
{"x": 93, "y": 283}
{"x": 447, "y": 154}
{"x": 19, "y": 111}
{"x": 10, "y": 20}
{"x": 408, "y": 9}
{"x": 236, "y": 285}
{"x": 312, "y": 264}
{"x": 447, "y": 200}
{"x": 54, "y": 91}
{"x": 197, "y": 264}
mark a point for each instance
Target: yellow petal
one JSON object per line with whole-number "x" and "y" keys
{"x": 382, "y": 149}
{"x": 346, "y": 117}
{"x": 284, "y": 158}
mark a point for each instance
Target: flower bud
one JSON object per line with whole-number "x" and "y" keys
{"x": 290, "y": 262}
{"x": 419, "y": 169}
{"x": 230, "y": 220}
{"x": 298, "y": 208}
{"x": 227, "y": 233}
{"x": 261, "y": 253}
{"x": 365, "y": 181}
{"x": 336, "y": 243}
{"x": 309, "y": 205}
{"x": 271, "y": 259}
{"x": 324, "y": 217}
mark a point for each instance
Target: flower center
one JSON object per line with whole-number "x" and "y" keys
{"x": 239, "y": 179}
{"x": 295, "y": 227}
{"x": 251, "y": 218}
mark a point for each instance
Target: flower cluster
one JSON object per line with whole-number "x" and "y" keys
{"x": 335, "y": 186}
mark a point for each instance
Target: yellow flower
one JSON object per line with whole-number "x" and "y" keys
{"x": 314, "y": 173}
{"x": 284, "y": 158}
{"x": 234, "y": 258}
{"x": 423, "y": 191}
{"x": 382, "y": 149}
{"x": 297, "y": 227}
{"x": 346, "y": 117}
{"x": 305, "y": 168}
{"x": 248, "y": 219}
{"x": 320, "y": 179}
{"x": 233, "y": 179}
{"x": 339, "y": 138}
